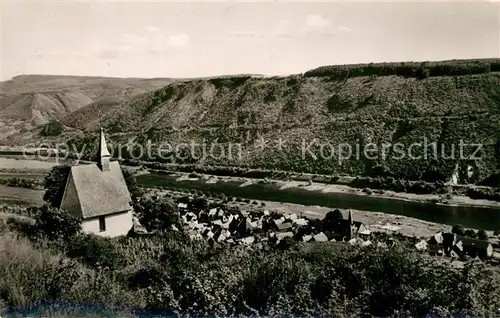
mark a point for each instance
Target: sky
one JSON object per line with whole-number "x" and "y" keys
{"x": 195, "y": 39}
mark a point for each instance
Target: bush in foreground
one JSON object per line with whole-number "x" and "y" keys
{"x": 158, "y": 214}
{"x": 55, "y": 224}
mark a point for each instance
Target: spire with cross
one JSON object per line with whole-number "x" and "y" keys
{"x": 103, "y": 155}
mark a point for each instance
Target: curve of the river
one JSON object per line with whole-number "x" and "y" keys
{"x": 474, "y": 217}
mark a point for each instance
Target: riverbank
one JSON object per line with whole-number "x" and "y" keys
{"x": 379, "y": 182}
{"x": 424, "y": 198}
{"x": 313, "y": 182}
{"x": 35, "y": 168}
{"x": 439, "y": 209}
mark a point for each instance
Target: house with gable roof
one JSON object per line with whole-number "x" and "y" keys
{"x": 98, "y": 194}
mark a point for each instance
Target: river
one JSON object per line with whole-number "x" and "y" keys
{"x": 474, "y": 217}
{"x": 487, "y": 218}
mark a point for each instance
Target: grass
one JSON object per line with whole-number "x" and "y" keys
{"x": 30, "y": 276}
{"x": 21, "y": 263}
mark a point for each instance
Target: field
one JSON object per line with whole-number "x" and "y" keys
{"x": 20, "y": 195}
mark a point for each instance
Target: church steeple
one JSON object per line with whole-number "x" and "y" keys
{"x": 103, "y": 155}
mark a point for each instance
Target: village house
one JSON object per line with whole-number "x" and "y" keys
{"x": 98, "y": 194}
{"x": 472, "y": 247}
{"x": 453, "y": 245}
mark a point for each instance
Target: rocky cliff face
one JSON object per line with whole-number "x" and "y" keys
{"x": 310, "y": 124}
{"x": 30, "y": 101}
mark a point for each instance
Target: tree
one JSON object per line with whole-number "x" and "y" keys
{"x": 286, "y": 243}
{"x": 95, "y": 251}
{"x": 159, "y": 214}
{"x": 458, "y": 230}
{"x": 482, "y": 235}
{"x": 135, "y": 191}
{"x": 470, "y": 233}
{"x": 54, "y": 185}
{"x": 199, "y": 204}
{"x": 496, "y": 233}
{"x": 56, "y": 224}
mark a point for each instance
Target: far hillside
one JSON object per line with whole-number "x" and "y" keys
{"x": 385, "y": 103}
{"x": 30, "y": 101}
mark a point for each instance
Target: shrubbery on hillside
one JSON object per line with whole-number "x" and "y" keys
{"x": 399, "y": 185}
{"x": 408, "y": 69}
{"x": 159, "y": 97}
{"x": 50, "y": 223}
{"x": 158, "y": 214}
{"x": 484, "y": 193}
{"x": 460, "y": 231}
{"x": 52, "y": 129}
{"x": 136, "y": 192}
{"x": 94, "y": 251}
{"x": 54, "y": 223}
{"x": 230, "y": 82}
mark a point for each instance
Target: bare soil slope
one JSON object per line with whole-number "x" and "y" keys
{"x": 29, "y": 101}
